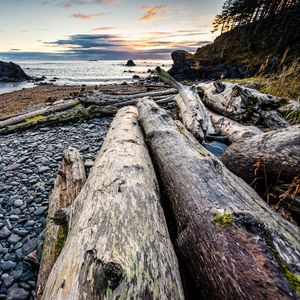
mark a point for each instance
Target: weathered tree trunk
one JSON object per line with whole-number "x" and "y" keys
{"x": 106, "y": 99}
{"x": 232, "y": 244}
{"x": 40, "y": 112}
{"x": 3, "y": 118}
{"x": 69, "y": 181}
{"x": 242, "y": 104}
{"x": 63, "y": 117}
{"x": 122, "y": 103}
{"x": 118, "y": 246}
{"x": 271, "y": 158}
{"x": 233, "y": 130}
{"x": 193, "y": 113}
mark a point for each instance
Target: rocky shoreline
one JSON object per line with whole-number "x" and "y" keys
{"x": 28, "y": 164}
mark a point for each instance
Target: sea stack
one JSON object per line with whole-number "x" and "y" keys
{"x": 130, "y": 63}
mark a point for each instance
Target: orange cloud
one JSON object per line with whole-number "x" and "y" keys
{"x": 152, "y": 12}
{"x": 88, "y": 17}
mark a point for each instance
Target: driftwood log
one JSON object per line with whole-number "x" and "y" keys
{"x": 121, "y": 102}
{"x": 41, "y": 112}
{"x": 68, "y": 116}
{"x": 69, "y": 181}
{"x": 229, "y": 240}
{"x": 273, "y": 156}
{"x": 193, "y": 113}
{"x": 242, "y": 104}
{"x": 232, "y": 129}
{"x": 118, "y": 246}
{"x": 118, "y": 100}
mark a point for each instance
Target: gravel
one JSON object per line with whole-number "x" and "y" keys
{"x": 28, "y": 166}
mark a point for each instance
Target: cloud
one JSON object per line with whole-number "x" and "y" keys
{"x": 178, "y": 33}
{"x": 88, "y": 16}
{"x": 88, "y": 41}
{"x": 67, "y": 4}
{"x": 151, "y": 45}
{"x": 153, "y": 12}
{"x": 103, "y": 28}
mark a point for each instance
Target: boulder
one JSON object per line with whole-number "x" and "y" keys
{"x": 130, "y": 63}
{"x": 11, "y": 72}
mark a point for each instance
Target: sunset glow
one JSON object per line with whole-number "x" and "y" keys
{"x": 107, "y": 29}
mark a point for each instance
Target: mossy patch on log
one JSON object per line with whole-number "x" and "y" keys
{"x": 35, "y": 118}
{"x": 223, "y": 220}
{"x": 291, "y": 277}
{"x": 61, "y": 238}
{"x": 180, "y": 129}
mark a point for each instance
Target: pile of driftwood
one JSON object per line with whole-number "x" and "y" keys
{"x": 160, "y": 217}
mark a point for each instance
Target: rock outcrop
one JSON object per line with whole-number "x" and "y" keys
{"x": 11, "y": 72}
{"x": 192, "y": 66}
{"x": 130, "y": 63}
{"x": 241, "y": 52}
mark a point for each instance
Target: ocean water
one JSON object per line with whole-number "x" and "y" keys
{"x": 83, "y": 72}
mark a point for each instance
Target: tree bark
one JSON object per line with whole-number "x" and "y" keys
{"x": 193, "y": 113}
{"x": 243, "y": 105}
{"x": 232, "y": 244}
{"x": 63, "y": 117}
{"x": 271, "y": 157}
{"x": 118, "y": 246}
{"x": 40, "y": 112}
{"x": 69, "y": 181}
{"x": 233, "y": 130}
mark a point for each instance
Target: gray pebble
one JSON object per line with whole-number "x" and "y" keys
{"x": 7, "y": 265}
{"x": 4, "y": 232}
{"x": 8, "y": 281}
{"x": 14, "y": 238}
{"x": 40, "y": 210}
{"x": 18, "y": 203}
{"x": 17, "y": 294}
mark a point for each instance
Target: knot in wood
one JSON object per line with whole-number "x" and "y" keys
{"x": 113, "y": 272}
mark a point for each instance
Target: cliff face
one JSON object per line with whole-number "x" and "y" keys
{"x": 241, "y": 52}
{"x": 10, "y": 72}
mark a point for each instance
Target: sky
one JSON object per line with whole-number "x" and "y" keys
{"x": 103, "y": 29}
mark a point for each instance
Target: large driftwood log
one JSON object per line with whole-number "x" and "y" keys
{"x": 69, "y": 181}
{"x": 41, "y": 112}
{"x": 232, "y": 244}
{"x": 118, "y": 246}
{"x": 123, "y": 102}
{"x": 273, "y": 156}
{"x": 242, "y": 104}
{"x": 118, "y": 100}
{"x": 74, "y": 115}
{"x": 233, "y": 130}
{"x": 193, "y": 113}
